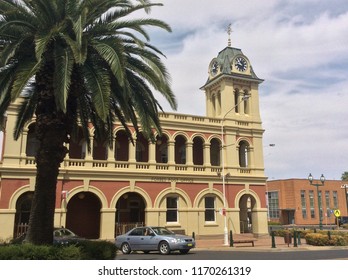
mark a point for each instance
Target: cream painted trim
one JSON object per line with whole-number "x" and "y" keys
{"x": 17, "y": 194}
{"x": 82, "y": 188}
{"x": 205, "y": 192}
{"x": 182, "y": 133}
{"x": 170, "y": 190}
{"x": 249, "y": 192}
{"x": 128, "y": 189}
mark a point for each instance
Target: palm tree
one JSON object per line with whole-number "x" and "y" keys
{"x": 77, "y": 62}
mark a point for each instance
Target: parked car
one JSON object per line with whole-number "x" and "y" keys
{"x": 148, "y": 239}
{"x": 61, "y": 236}
{"x": 64, "y": 236}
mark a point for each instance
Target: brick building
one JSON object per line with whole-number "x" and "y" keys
{"x": 295, "y": 201}
{"x": 200, "y": 167}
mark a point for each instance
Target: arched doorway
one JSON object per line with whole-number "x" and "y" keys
{"x": 246, "y": 205}
{"x": 23, "y": 206}
{"x": 130, "y": 212}
{"x": 83, "y": 215}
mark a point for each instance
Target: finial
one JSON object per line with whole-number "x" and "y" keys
{"x": 229, "y": 31}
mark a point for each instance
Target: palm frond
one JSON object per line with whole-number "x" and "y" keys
{"x": 62, "y": 76}
{"x": 25, "y": 113}
{"x": 112, "y": 54}
{"x": 98, "y": 84}
{"x": 25, "y": 71}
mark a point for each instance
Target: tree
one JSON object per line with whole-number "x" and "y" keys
{"x": 77, "y": 61}
{"x": 344, "y": 176}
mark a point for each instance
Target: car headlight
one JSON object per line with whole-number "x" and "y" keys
{"x": 177, "y": 240}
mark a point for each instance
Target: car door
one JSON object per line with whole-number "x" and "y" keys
{"x": 135, "y": 239}
{"x": 149, "y": 242}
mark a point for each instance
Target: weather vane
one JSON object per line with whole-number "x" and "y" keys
{"x": 229, "y": 31}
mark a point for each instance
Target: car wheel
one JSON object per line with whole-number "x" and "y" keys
{"x": 184, "y": 251}
{"x": 125, "y": 248}
{"x": 164, "y": 248}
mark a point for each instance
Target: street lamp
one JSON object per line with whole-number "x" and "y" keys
{"x": 245, "y": 97}
{"x": 322, "y": 181}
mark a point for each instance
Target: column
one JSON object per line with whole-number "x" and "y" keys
{"x": 206, "y": 155}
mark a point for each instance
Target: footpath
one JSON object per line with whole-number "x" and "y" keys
{"x": 261, "y": 244}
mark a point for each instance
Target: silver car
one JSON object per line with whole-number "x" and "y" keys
{"x": 148, "y": 239}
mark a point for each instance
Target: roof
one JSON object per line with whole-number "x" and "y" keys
{"x": 224, "y": 60}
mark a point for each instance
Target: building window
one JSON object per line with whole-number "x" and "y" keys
{"x": 327, "y": 201}
{"x": 335, "y": 199}
{"x": 32, "y": 142}
{"x": 311, "y": 203}
{"x": 273, "y": 205}
{"x": 209, "y": 204}
{"x": 321, "y": 202}
{"x": 236, "y": 100}
{"x": 215, "y": 151}
{"x": 303, "y": 204}
{"x": 172, "y": 209}
{"x": 243, "y": 154}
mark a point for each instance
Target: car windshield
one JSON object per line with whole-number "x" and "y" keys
{"x": 162, "y": 231}
{"x": 64, "y": 233}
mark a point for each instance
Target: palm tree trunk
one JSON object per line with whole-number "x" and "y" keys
{"x": 52, "y": 133}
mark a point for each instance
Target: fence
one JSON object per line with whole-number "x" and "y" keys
{"x": 20, "y": 229}
{"x": 121, "y": 228}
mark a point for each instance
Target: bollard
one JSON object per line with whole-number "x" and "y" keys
{"x": 295, "y": 238}
{"x": 273, "y": 240}
{"x": 231, "y": 239}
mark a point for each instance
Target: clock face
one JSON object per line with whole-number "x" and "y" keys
{"x": 241, "y": 64}
{"x": 214, "y": 68}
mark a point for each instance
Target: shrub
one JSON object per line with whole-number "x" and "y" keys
{"x": 85, "y": 250}
{"x": 34, "y": 252}
{"x": 319, "y": 239}
{"x": 97, "y": 250}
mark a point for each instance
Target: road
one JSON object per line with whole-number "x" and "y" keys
{"x": 241, "y": 255}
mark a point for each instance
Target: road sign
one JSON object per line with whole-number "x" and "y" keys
{"x": 337, "y": 213}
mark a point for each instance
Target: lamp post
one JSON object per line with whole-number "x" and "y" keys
{"x": 245, "y": 97}
{"x": 322, "y": 181}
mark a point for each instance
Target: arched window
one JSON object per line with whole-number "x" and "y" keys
{"x": 77, "y": 147}
{"x": 243, "y": 154}
{"x": 121, "y": 146}
{"x": 100, "y": 150}
{"x": 246, "y": 103}
{"x": 215, "y": 152}
{"x": 197, "y": 151}
{"x": 180, "y": 150}
{"x": 236, "y": 100}
{"x": 218, "y": 103}
{"x": 162, "y": 149}
{"x": 213, "y": 103}
{"x": 142, "y": 149}
{"x": 32, "y": 142}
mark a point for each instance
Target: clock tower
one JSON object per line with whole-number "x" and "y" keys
{"x": 232, "y": 101}
{"x": 232, "y": 84}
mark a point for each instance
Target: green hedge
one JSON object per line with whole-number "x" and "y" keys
{"x": 319, "y": 239}
{"x": 86, "y": 250}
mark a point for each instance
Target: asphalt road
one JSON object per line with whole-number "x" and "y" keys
{"x": 241, "y": 255}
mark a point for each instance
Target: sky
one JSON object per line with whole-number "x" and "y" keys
{"x": 299, "y": 48}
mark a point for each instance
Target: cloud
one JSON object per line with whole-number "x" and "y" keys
{"x": 298, "y": 47}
